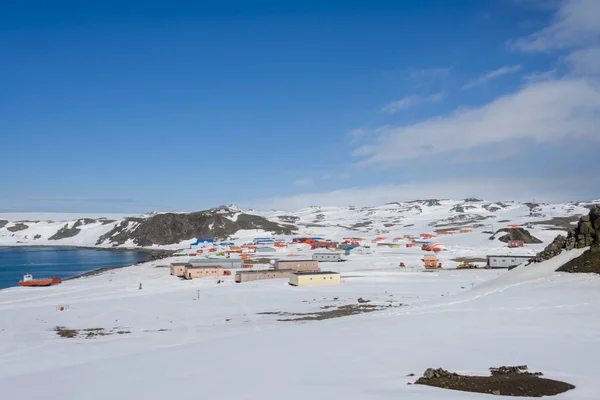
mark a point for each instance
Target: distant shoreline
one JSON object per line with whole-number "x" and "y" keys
{"x": 138, "y": 249}
{"x": 100, "y": 270}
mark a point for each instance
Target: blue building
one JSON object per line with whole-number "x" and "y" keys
{"x": 202, "y": 241}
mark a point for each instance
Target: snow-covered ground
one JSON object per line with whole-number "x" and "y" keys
{"x": 199, "y": 339}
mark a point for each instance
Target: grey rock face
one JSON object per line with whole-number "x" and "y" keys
{"x": 169, "y": 228}
{"x": 18, "y": 227}
{"x": 586, "y": 234}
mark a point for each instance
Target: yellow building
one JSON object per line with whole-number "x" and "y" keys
{"x": 315, "y": 278}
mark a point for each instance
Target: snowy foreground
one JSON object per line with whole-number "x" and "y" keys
{"x": 219, "y": 347}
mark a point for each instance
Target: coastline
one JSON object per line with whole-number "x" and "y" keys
{"x": 100, "y": 270}
{"x": 71, "y": 246}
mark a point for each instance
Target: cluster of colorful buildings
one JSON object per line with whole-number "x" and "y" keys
{"x": 299, "y": 273}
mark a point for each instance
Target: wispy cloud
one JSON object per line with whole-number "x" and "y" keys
{"x": 585, "y": 61}
{"x": 575, "y": 24}
{"x": 541, "y": 111}
{"x": 507, "y": 69}
{"x": 402, "y": 104}
{"x": 341, "y": 175}
{"x": 303, "y": 182}
{"x": 538, "y": 76}
{"x": 411, "y": 101}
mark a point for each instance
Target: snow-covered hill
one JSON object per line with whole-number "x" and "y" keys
{"x": 200, "y": 339}
{"x": 389, "y": 220}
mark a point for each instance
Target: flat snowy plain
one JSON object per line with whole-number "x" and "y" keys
{"x": 218, "y": 346}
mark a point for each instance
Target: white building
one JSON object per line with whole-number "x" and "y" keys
{"x": 327, "y": 257}
{"x": 506, "y": 261}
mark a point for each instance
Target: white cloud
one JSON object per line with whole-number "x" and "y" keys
{"x": 540, "y": 111}
{"x": 411, "y": 101}
{"x": 402, "y": 104}
{"x": 492, "y": 75}
{"x": 341, "y": 175}
{"x": 585, "y": 61}
{"x": 492, "y": 189}
{"x": 538, "y": 76}
{"x": 303, "y": 182}
{"x": 576, "y": 24}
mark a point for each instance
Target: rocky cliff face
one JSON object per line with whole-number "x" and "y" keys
{"x": 586, "y": 234}
{"x": 169, "y": 228}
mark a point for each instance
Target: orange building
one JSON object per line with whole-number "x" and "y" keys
{"x": 198, "y": 271}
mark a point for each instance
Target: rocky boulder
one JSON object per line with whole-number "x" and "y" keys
{"x": 586, "y": 234}
{"x": 552, "y": 250}
{"x": 433, "y": 373}
{"x": 516, "y": 234}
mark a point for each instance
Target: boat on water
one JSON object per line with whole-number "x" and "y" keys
{"x": 28, "y": 280}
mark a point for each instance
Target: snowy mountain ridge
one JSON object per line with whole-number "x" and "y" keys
{"x": 170, "y": 230}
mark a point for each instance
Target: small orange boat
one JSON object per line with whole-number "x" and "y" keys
{"x": 29, "y": 281}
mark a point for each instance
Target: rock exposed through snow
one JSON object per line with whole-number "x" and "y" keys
{"x": 516, "y": 234}
{"x": 169, "y": 228}
{"x": 504, "y": 381}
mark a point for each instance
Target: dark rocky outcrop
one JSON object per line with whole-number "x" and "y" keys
{"x": 586, "y": 234}
{"x": 426, "y": 202}
{"x": 459, "y": 208}
{"x": 17, "y": 227}
{"x": 66, "y": 232}
{"x": 289, "y": 218}
{"x": 503, "y": 381}
{"x": 515, "y": 234}
{"x": 3, "y": 223}
{"x": 493, "y": 207}
{"x": 588, "y": 262}
{"x": 169, "y": 228}
{"x": 534, "y": 209}
{"x": 458, "y": 220}
{"x": 553, "y": 249}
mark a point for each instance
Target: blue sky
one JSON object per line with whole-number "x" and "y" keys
{"x": 121, "y": 106}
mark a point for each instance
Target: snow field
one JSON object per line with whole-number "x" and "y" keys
{"x": 530, "y": 315}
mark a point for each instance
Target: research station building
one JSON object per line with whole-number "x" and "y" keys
{"x": 506, "y": 261}
{"x": 261, "y": 274}
{"x": 327, "y": 257}
{"x": 297, "y": 265}
{"x": 315, "y": 278}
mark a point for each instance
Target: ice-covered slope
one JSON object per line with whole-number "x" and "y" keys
{"x": 390, "y": 220}
{"x": 219, "y": 346}
{"x": 423, "y": 216}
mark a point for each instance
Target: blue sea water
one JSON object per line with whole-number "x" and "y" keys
{"x": 56, "y": 261}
